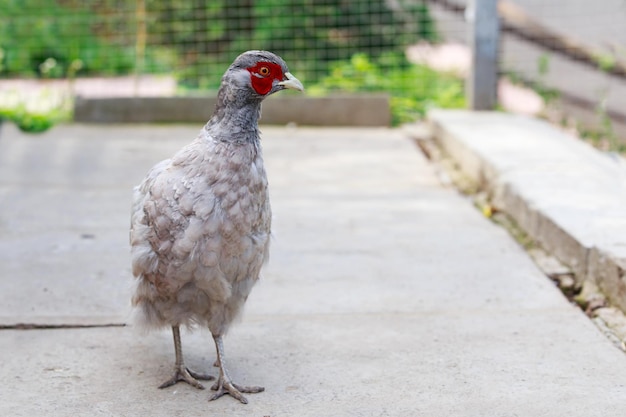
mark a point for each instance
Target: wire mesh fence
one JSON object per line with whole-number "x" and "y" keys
{"x": 165, "y": 47}
{"x": 195, "y": 40}
{"x": 414, "y": 50}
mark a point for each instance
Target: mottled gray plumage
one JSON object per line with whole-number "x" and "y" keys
{"x": 200, "y": 226}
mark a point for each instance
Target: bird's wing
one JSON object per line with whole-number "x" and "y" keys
{"x": 202, "y": 216}
{"x": 144, "y": 256}
{"x": 141, "y": 192}
{"x": 173, "y": 215}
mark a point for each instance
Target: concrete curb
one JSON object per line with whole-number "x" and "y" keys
{"x": 337, "y": 110}
{"x": 566, "y": 195}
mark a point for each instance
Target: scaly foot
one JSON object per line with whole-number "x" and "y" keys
{"x": 187, "y": 375}
{"x": 226, "y": 386}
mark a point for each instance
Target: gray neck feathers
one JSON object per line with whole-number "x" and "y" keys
{"x": 236, "y": 115}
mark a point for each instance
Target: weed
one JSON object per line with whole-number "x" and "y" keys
{"x": 38, "y": 115}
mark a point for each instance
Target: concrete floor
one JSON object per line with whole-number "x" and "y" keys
{"x": 386, "y": 293}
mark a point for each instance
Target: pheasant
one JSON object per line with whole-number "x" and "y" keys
{"x": 200, "y": 221}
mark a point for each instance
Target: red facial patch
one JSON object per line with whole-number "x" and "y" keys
{"x": 263, "y": 74}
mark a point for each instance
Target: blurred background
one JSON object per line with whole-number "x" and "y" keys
{"x": 416, "y": 51}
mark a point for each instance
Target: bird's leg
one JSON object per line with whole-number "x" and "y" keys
{"x": 181, "y": 372}
{"x": 224, "y": 384}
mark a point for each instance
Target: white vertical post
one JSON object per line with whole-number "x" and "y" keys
{"x": 484, "y": 31}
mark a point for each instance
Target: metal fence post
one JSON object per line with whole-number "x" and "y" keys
{"x": 484, "y": 28}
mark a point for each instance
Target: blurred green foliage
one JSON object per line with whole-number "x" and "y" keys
{"x": 196, "y": 38}
{"x": 413, "y": 88}
{"x": 333, "y": 45}
{"x": 310, "y": 35}
{"x": 34, "y": 121}
{"x": 32, "y": 31}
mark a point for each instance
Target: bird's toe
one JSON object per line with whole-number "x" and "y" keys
{"x": 234, "y": 390}
{"x": 188, "y": 376}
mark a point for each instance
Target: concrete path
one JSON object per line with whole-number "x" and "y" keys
{"x": 386, "y": 294}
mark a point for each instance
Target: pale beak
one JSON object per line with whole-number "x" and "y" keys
{"x": 291, "y": 82}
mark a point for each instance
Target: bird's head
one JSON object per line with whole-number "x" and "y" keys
{"x": 253, "y": 76}
{"x": 259, "y": 74}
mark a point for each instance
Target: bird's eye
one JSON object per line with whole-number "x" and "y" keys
{"x": 264, "y": 71}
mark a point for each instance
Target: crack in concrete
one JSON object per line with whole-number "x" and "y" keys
{"x": 40, "y": 326}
